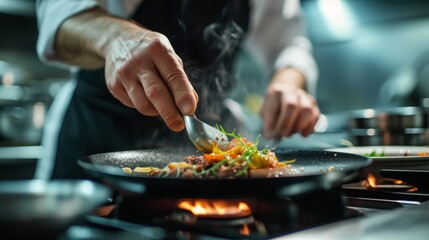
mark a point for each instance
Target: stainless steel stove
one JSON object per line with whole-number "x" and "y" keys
{"x": 352, "y": 211}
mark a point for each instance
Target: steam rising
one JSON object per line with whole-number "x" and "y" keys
{"x": 208, "y": 50}
{"x": 214, "y": 80}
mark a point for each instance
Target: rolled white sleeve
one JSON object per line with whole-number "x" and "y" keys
{"x": 50, "y": 15}
{"x": 277, "y": 38}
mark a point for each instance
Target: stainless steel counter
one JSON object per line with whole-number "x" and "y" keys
{"x": 19, "y": 162}
{"x": 404, "y": 223}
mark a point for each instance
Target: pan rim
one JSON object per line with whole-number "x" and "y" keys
{"x": 85, "y": 164}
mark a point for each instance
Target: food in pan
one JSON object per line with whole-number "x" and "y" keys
{"x": 240, "y": 158}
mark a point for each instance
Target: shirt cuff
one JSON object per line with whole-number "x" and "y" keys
{"x": 299, "y": 56}
{"x": 51, "y": 14}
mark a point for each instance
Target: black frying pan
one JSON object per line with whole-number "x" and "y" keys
{"x": 108, "y": 166}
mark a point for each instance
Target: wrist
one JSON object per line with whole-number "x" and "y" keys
{"x": 116, "y": 29}
{"x": 289, "y": 76}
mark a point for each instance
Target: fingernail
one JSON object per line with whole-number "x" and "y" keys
{"x": 177, "y": 126}
{"x": 187, "y": 108}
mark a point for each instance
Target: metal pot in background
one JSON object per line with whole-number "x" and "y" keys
{"x": 390, "y": 119}
{"x": 21, "y": 122}
{"x": 393, "y": 126}
{"x": 376, "y": 137}
{"x": 24, "y": 102}
{"x": 11, "y": 74}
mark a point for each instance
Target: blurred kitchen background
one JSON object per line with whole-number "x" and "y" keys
{"x": 370, "y": 53}
{"x": 27, "y": 88}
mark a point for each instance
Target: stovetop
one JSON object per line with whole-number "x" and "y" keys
{"x": 402, "y": 223}
{"x": 352, "y": 212}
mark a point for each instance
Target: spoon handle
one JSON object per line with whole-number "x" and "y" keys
{"x": 276, "y": 142}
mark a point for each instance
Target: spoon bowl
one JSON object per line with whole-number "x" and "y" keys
{"x": 202, "y": 135}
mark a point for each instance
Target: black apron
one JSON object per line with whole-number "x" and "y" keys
{"x": 205, "y": 34}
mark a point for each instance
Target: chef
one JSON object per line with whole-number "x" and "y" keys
{"x": 140, "y": 65}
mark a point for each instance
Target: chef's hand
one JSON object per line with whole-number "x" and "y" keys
{"x": 144, "y": 72}
{"x": 287, "y": 108}
{"x": 142, "y": 69}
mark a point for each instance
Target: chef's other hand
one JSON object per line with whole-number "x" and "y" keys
{"x": 287, "y": 108}
{"x": 144, "y": 72}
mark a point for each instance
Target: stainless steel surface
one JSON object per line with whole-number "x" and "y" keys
{"x": 20, "y": 152}
{"x": 202, "y": 135}
{"x": 19, "y": 162}
{"x": 403, "y": 223}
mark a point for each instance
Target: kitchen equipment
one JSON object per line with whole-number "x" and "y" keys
{"x": 203, "y": 135}
{"x": 19, "y": 162}
{"x": 43, "y": 209}
{"x": 21, "y": 122}
{"x": 270, "y": 217}
{"x": 390, "y": 126}
{"x": 393, "y": 157}
{"x": 377, "y": 137}
{"x": 416, "y": 177}
{"x": 314, "y": 175}
{"x": 11, "y": 74}
{"x": 23, "y": 109}
{"x": 23, "y": 104}
{"x": 389, "y": 118}
{"x": 276, "y": 142}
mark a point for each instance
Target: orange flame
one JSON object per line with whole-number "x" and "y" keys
{"x": 374, "y": 182}
{"x": 245, "y": 230}
{"x": 216, "y": 208}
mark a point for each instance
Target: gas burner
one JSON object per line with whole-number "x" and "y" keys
{"x": 256, "y": 218}
{"x": 215, "y": 209}
{"x": 400, "y": 186}
{"x": 380, "y": 183}
{"x": 417, "y": 178}
{"x": 385, "y": 192}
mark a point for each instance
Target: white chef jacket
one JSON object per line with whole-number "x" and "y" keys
{"x": 275, "y": 38}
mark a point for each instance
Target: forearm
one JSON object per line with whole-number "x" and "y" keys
{"x": 83, "y": 40}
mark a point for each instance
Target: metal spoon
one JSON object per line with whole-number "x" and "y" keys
{"x": 203, "y": 135}
{"x": 276, "y": 142}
